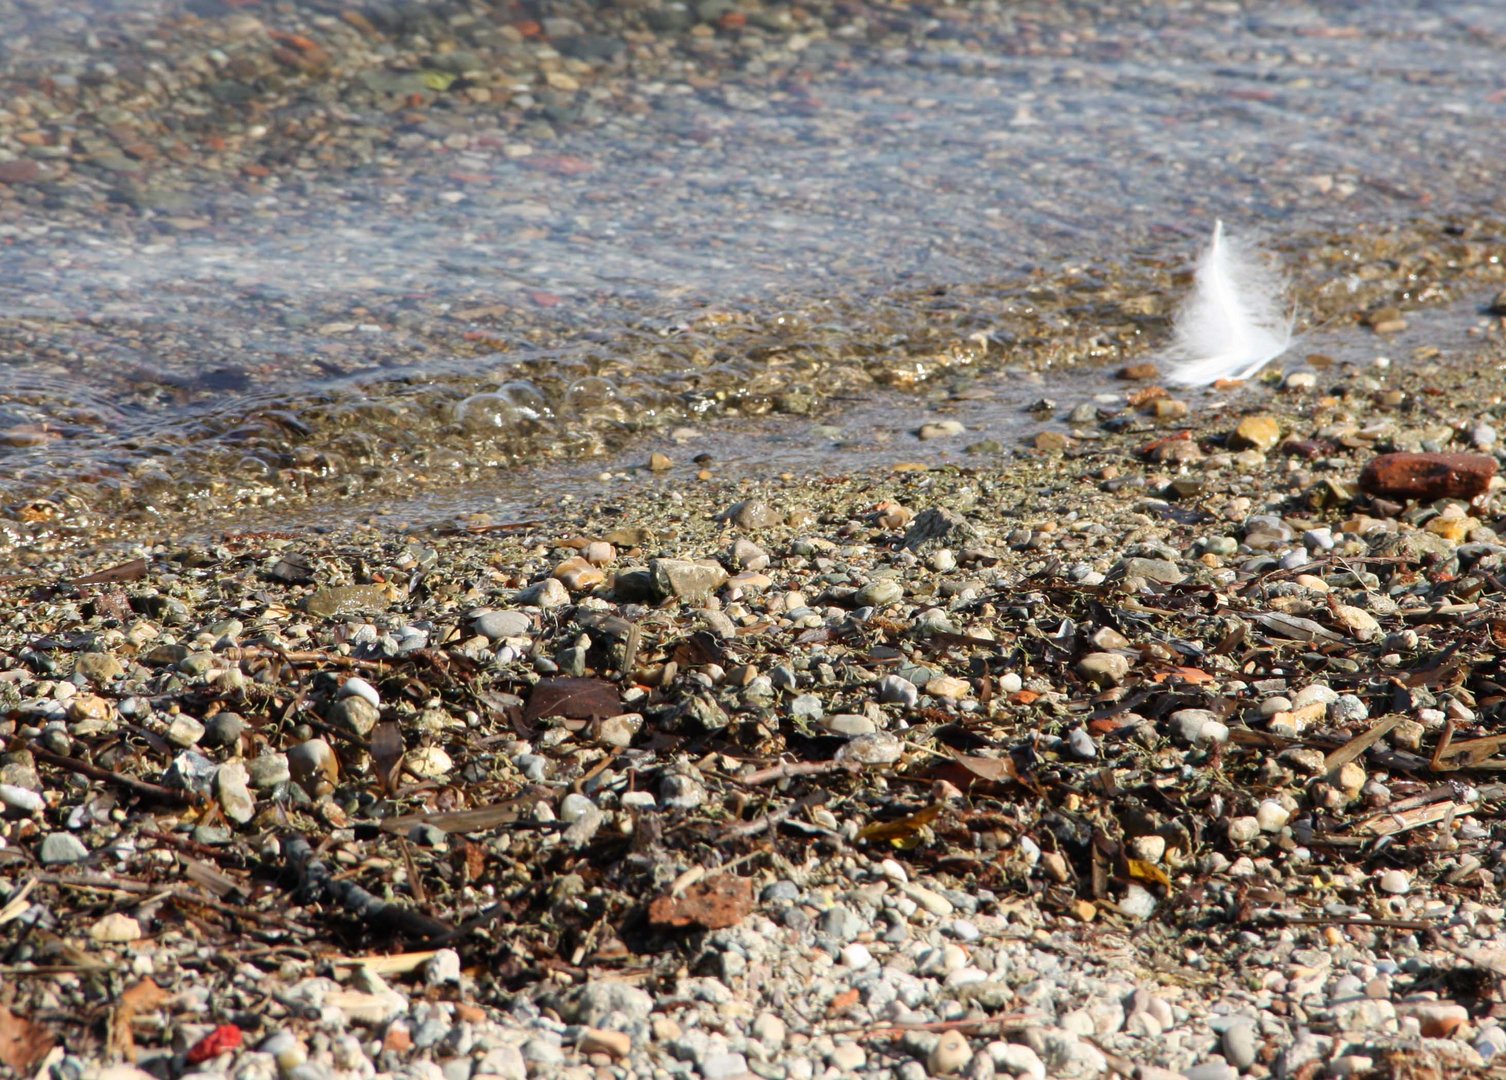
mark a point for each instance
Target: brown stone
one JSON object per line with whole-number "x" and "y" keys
{"x": 1426, "y": 477}
{"x": 20, "y": 171}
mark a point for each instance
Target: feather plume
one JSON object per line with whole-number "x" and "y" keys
{"x": 1235, "y": 322}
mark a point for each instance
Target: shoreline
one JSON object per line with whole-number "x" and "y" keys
{"x": 1131, "y": 754}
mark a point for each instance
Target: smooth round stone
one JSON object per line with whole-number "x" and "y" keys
{"x": 223, "y": 729}
{"x": 880, "y": 593}
{"x": 1394, "y": 883}
{"x": 495, "y": 625}
{"x": 574, "y": 806}
{"x": 1272, "y": 816}
{"x": 231, "y": 782}
{"x": 355, "y": 686}
{"x": 1316, "y": 694}
{"x": 950, "y": 1055}
{"x": 849, "y": 725}
{"x": 1080, "y": 744}
{"x": 314, "y": 767}
{"x": 1242, "y": 830}
{"x": 19, "y": 798}
{"x": 1241, "y": 1043}
{"x": 1199, "y": 727}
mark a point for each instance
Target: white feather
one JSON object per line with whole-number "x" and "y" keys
{"x": 1235, "y": 322}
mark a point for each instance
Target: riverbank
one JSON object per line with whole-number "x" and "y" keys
{"x": 1154, "y": 744}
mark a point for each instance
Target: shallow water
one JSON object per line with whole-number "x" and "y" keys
{"x": 771, "y": 229}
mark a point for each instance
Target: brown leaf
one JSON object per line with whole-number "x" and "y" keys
{"x": 992, "y": 770}
{"x": 574, "y": 699}
{"x": 387, "y": 754}
{"x": 23, "y": 1044}
{"x": 142, "y": 997}
{"x": 698, "y": 649}
{"x": 134, "y": 570}
{"x": 713, "y": 903}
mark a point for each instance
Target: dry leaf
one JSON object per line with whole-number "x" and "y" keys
{"x": 574, "y": 699}
{"x": 23, "y": 1044}
{"x": 387, "y": 754}
{"x": 1140, "y": 870}
{"x": 143, "y": 997}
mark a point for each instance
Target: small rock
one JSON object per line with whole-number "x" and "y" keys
{"x": 116, "y": 928}
{"x": 184, "y": 731}
{"x": 897, "y": 690}
{"x": 355, "y": 714}
{"x": 1257, "y": 432}
{"x": 496, "y": 625}
{"x": 314, "y": 767}
{"x": 753, "y": 514}
{"x": 880, "y": 593}
{"x": 1241, "y": 1042}
{"x": 658, "y": 462}
{"x": 685, "y": 579}
{"x": 579, "y": 575}
{"x": 99, "y": 668}
{"x": 1394, "y": 883}
{"x": 223, "y": 729}
{"x": 1199, "y": 727}
{"x": 941, "y": 429}
{"x": 347, "y": 600}
{"x": 546, "y": 594}
{"x": 617, "y": 1044}
{"x": 429, "y": 762}
{"x": 724, "y": 1066}
{"x": 231, "y": 789}
{"x": 948, "y": 687}
{"x": 939, "y": 527}
{"x": 62, "y": 849}
{"x": 950, "y": 1055}
{"x": 269, "y": 770}
{"x": 1103, "y": 668}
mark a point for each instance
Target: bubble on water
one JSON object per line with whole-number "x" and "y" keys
{"x": 596, "y": 398}
{"x": 507, "y": 408}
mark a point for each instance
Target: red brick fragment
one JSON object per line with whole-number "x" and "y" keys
{"x": 1426, "y": 477}
{"x": 713, "y": 903}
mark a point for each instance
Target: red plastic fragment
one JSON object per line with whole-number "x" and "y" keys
{"x": 221, "y": 1040}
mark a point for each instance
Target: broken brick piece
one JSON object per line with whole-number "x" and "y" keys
{"x": 1426, "y": 477}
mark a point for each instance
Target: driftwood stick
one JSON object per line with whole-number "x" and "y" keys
{"x": 317, "y": 882}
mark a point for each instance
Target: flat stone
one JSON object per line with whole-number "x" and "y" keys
{"x": 950, "y": 1055}
{"x": 753, "y": 514}
{"x": 98, "y": 667}
{"x": 1103, "y": 668}
{"x": 231, "y": 788}
{"x": 314, "y": 767}
{"x": 1257, "y": 433}
{"x": 685, "y": 579}
{"x": 347, "y": 600}
{"x": 62, "y": 849}
{"x": 939, "y": 527}
{"x": 495, "y": 625}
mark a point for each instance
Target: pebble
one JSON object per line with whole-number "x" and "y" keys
{"x": 1198, "y": 727}
{"x": 1241, "y": 1043}
{"x": 897, "y": 690}
{"x": 1103, "y": 668}
{"x": 314, "y": 767}
{"x": 61, "y": 849}
{"x": 950, "y": 1055}
{"x": 231, "y": 788}
{"x": 497, "y": 625}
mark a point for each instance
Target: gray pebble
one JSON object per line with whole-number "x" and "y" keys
{"x": 61, "y": 849}
{"x": 495, "y": 625}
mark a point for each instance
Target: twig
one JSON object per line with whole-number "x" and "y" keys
{"x": 786, "y": 770}
{"x": 770, "y": 820}
{"x": 894, "y": 1031}
{"x": 94, "y": 772}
